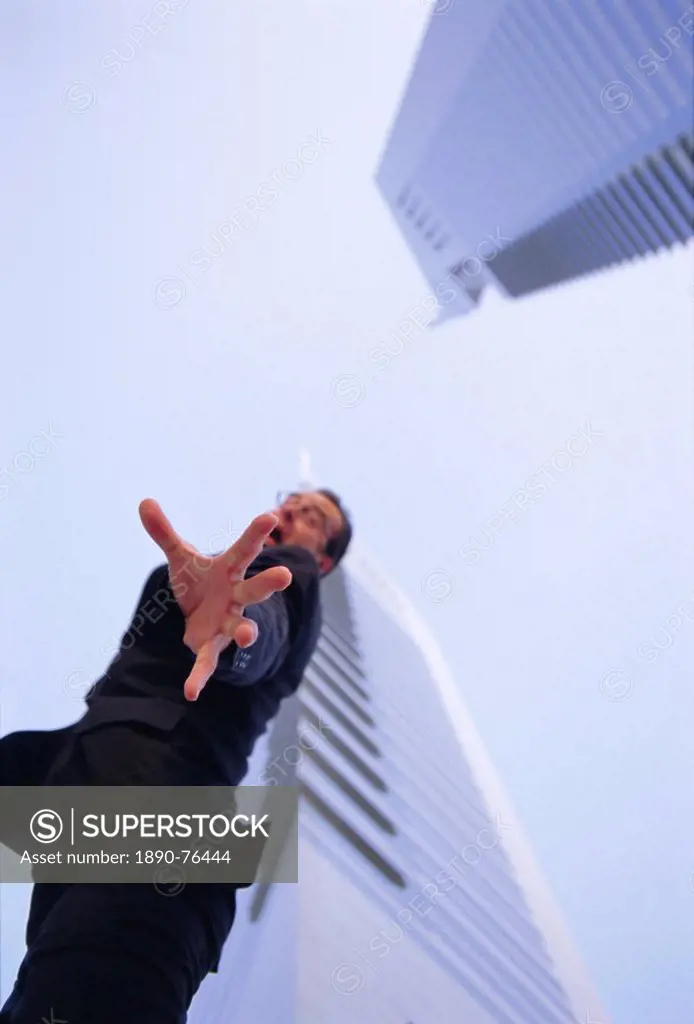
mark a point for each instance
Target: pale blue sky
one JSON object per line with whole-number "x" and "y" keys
{"x": 205, "y": 406}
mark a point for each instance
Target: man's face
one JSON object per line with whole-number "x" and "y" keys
{"x": 310, "y": 520}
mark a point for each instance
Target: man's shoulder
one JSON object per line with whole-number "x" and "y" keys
{"x": 302, "y": 596}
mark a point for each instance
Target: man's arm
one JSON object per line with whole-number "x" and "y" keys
{"x": 280, "y": 619}
{"x": 243, "y": 666}
{"x": 158, "y": 625}
{"x": 216, "y": 591}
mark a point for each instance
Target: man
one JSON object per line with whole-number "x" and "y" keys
{"x": 215, "y": 645}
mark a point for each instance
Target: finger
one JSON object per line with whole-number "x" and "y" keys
{"x": 249, "y": 545}
{"x": 205, "y": 664}
{"x": 159, "y": 528}
{"x": 258, "y": 588}
{"x": 227, "y": 607}
{"x": 244, "y": 632}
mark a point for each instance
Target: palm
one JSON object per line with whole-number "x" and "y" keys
{"x": 188, "y": 574}
{"x": 212, "y": 591}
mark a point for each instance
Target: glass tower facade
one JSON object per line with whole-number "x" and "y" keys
{"x": 409, "y": 907}
{"x": 540, "y": 142}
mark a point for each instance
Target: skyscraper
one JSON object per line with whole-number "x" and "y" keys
{"x": 418, "y": 899}
{"x": 539, "y": 142}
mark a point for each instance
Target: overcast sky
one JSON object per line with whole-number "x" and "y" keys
{"x": 157, "y": 373}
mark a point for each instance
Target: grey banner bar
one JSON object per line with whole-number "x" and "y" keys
{"x": 166, "y": 835}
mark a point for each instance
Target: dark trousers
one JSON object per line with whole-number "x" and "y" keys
{"x": 115, "y": 953}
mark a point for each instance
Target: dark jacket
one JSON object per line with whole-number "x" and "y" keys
{"x": 144, "y": 687}
{"x": 144, "y": 682}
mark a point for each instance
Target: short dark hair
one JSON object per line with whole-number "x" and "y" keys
{"x": 336, "y": 548}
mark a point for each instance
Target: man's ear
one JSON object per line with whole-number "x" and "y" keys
{"x": 325, "y": 564}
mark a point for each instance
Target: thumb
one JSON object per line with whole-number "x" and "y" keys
{"x": 205, "y": 664}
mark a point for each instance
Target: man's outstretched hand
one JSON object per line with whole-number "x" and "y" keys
{"x": 211, "y": 590}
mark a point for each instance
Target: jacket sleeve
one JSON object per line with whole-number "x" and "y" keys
{"x": 243, "y": 666}
{"x": 284, "y": 621}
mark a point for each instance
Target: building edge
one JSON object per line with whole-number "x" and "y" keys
{"x": 569, "y": 964}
